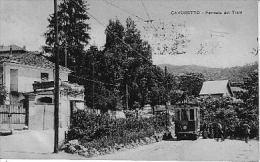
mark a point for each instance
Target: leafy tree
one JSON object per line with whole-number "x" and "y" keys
{"x": 128, "y": 57}
{"x": 3, "y": 94}
{"x": 250, "y": 97}
{"x": 73, "y": 32}
{"x": 191, "y": 83}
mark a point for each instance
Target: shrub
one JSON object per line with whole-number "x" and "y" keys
{"x": 99, "y": 131}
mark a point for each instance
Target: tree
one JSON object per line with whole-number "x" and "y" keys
{"x": 73, "y": 32}
{"x": 191, "y": 83}
{"x": 128, "y": 57}
{"x": 250, "y": 97}
{"x": 3, "y": 94}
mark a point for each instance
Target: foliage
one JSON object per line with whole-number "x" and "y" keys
{"x": 229, "y": 112}
{"x": 73, "y": 32}
{"x": 251, "y": 95}
{"x": 3, "y": 94}
{"x": 191, "y": 83}
{"x": 125, "y": 60}
{"x": 101, "y": 130}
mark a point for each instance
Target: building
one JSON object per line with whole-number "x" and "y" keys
{"x": 29, "y": 81}
{"x": 216, "y": 88}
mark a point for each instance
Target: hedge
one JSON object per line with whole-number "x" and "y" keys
{"x": 99, "y": 131}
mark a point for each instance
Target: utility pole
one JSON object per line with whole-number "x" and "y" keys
{"x": 66, "y": 55}
{"x": 167, "y": 98}
{"x": 56, "y": 86}
{"x": 126, "y": 91}
{"x": 93, "y": 84}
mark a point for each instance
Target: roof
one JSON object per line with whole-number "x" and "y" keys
{"x": 4, "y": 49}
{"x": 215, "y": 87}
{"x": 31, "y": 59}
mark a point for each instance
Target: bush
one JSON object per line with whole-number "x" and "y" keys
{"x": 99, "y": 131}
{"x": 229, "y": 113}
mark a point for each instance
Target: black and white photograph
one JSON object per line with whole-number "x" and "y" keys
{"x": 129, "y": 80}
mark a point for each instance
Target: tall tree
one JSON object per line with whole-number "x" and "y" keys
{"x": 73, "y": 32}
{"x": 191, "y": 83}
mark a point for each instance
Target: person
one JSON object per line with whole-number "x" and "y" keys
{"x": 211, "y": 130}
{"x": 246, "y": 131}
{"x": 218, "y": 131}
{"x": 205, "y": 130}
{"x": 231, "y": 131}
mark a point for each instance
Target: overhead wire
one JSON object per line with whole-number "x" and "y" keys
{"x": 149, "y": 61}
{"x": 118, "y": 37}
{"x": 147, "y": 14}
{"x": 91, "y": 80}
{"x": 124, "y": 10}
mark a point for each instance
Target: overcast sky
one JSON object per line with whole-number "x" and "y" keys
{"x": 228, "y": 38}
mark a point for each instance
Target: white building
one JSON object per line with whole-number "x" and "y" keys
{"x": 29, "y": 81}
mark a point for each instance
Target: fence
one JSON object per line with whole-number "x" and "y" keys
{"x": 13, "y": 114}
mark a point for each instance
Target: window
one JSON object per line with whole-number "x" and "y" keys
{"x": 184, "y": 114}
{"x": 44, "y": 100}
{"x": 192, "y": 114}
{"x": 44, "y": 76}
{"x": 178, "y": 115}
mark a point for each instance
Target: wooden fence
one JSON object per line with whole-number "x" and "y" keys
{"x": 13, "y": 114}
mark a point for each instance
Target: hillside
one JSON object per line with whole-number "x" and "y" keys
{"x": 233, "y": 74}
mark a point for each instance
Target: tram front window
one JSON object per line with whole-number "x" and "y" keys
{"x": 184, "y": 114}
{"x": 191, "y": 114}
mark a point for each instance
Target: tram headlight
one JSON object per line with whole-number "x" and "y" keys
{"x": 184, "y": 127}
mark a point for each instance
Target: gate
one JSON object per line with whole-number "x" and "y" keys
{"x": 12, "y": 114}
{"x": 43, "y": 117}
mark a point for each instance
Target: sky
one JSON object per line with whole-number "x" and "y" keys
{"x": 226, "y": 40}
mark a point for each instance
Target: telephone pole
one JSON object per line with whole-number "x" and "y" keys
{"x": 126, "y": 93}
{"x": 167, "y": 97}
{"x": 93, "y": 84}
{"x": 56, "y": 86}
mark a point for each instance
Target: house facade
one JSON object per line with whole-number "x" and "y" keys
{"x": 29, "y": 81}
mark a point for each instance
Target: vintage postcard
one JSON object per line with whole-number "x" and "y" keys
{"x": 135, "y": 80}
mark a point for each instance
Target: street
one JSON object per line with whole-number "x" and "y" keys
{"x": 187, "y": 150}
{"x": 39, "y": 145}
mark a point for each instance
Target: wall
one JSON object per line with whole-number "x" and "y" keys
{"x": 41, "y": 116}
{"x": 27, "y": 75}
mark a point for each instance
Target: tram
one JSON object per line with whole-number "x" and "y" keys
{"x": 187, "y": 121}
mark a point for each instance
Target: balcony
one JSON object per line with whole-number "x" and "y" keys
{"x": 70, "y": 87}
{"x": 43, "y": 85}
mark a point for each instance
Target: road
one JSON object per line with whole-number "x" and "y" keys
{"x": 39, "y": 145}
{"x": 31, "y": 145}
{"x": 186, "y": 150}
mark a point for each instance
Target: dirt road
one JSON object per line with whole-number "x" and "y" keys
{"x": 201, "y": 149}
{"x": 39, "y": 145}
{"x": 31, "y": 145}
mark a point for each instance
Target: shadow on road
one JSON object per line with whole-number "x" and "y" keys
{"x": 28, "y": 152}
{"x": 171, "y": 139}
